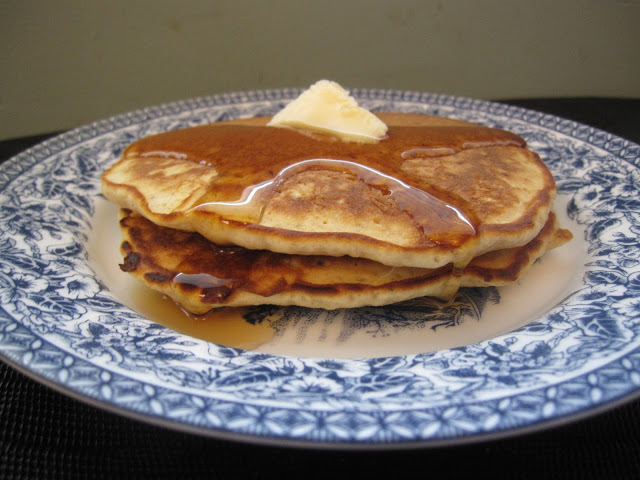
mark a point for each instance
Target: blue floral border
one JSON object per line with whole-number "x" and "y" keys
{"x": 58, "y": 322}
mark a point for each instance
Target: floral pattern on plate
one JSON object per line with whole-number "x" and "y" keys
{"x": 59, "y": 322}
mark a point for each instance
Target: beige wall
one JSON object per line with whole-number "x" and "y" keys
{"x": 67, "y": 63}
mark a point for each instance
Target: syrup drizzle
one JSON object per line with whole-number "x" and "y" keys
{"x": 427, "y": 152}
{"x": 252, "y": 161}
{"x": 201, "y": 280}
{"x": 447, "y": 219}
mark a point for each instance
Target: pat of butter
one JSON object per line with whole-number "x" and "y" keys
{"x": 326, "y": 107}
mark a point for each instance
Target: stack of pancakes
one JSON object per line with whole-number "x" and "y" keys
{"x": 240, "y": 213}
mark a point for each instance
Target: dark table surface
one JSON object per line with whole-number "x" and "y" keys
{"x": 44, "y": 434}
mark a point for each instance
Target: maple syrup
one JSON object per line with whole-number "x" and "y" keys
{"x": 225, "y": 326}
{"x": 418, "y": 203}
{"x": 251, "y": 161}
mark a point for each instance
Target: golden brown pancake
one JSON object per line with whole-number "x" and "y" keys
{"x": 434, "y": 192}
{"x": 201, "y": 275}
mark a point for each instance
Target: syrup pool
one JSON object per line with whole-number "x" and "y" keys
{"x": 251, "y": 161}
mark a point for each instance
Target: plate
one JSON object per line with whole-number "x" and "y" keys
{"x": 562, "y": 344}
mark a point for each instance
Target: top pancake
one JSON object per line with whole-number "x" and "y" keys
{"x": 435, "y": 191}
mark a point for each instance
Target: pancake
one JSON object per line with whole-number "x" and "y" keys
{"x": 200, "y": 275}
{"x": 435, "y": 192}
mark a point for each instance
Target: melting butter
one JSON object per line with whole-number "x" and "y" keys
{"x": 326, "y": 107}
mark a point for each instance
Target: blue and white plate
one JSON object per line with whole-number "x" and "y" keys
{"x": 561, "y": 344}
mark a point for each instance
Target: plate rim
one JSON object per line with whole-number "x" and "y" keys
{"x": 82, "y": 134}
